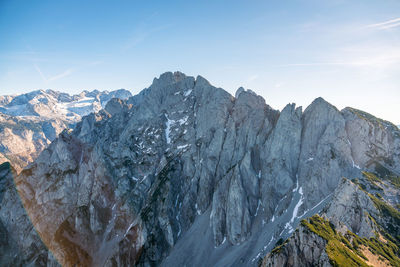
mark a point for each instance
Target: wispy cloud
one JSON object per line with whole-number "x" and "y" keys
{"x": 40, "y": 73}
{"x": 55, "y": 77}
{"x": 141, "y": 35}
{"x": 316, "y": 64}
{"x": 373, "y": 64}
{"x": 143, "y": 31}
{"x": 95, "y": 63}
{"x": 46, "y": 79}
{"x": 378, "y": 61}
{"x": 61, "y": 75}
{"x": 253, "y": 77}
{"x": 393, "y": 23}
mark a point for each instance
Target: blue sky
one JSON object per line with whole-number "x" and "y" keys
{"x": 287, "y": 51}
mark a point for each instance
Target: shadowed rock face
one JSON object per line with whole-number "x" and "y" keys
{"x": 184, "y": 166}
{"x": 20, "y": 245}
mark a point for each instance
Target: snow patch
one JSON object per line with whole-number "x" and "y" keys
{"x": 223, "y": 241}
{"x": 297, "y": 184}
{"x": 289, "y": 227}
{"x": 264, "y": 248}
{"x": 296, "y": 208}
{"x": 355, "y": 165}
{"x": 197, "y": 209}
{"x": 129, "y": 228}
{"x": 187, "y": 93}
{"x": 182, "y": 147}
{"x": 168, "y": 129}
{"x": 183, "y": 120}
{"x": 258, "y": 206}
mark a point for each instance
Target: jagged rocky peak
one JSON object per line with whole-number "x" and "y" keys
{"x": 169, "y": 81}
{"x": 186, "y": 174}
{"x": 170, "y": 77}
{"x": 116, "y": 105}
{"x": 239, "y": 91}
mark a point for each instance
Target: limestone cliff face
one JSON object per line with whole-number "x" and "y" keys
{"x": 352, "y": 209}
{"x": 184, "y": 168}
{"x": 20, "y": 245}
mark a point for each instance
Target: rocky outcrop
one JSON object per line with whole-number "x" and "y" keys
{"x": 351, "y": 227}
{"x": 352, "y": 209}
{"x": 375, "y": 143}
{"x": 303, "y": 248}
{"x": 186, "y": 165}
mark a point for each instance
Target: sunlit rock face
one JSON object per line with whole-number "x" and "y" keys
{"x": 29, "y": 122}
{"x": 186, "y": 174}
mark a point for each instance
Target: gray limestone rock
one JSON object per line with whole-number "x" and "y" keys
{"x": 20, "y": 245}
{"x": 185, "y": 164}
{"x": 304, "y": 248}
{"x": 352, "y": 207}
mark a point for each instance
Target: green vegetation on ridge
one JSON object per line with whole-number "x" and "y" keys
{"x": 345, "y": 250}
{"x": 338, "y": 248}
{"x": 373, "y": 179}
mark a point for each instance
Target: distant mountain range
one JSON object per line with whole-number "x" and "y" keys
{"x": 49, "y": 104}
{"x": 185, "y": 174}
{"x": 29, "y": 122}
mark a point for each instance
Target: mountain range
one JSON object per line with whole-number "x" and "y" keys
{"x": 185, "y": 174}
{"x": 29, "y": 122}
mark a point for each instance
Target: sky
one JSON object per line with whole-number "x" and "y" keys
{"x": 347, "y": 52}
